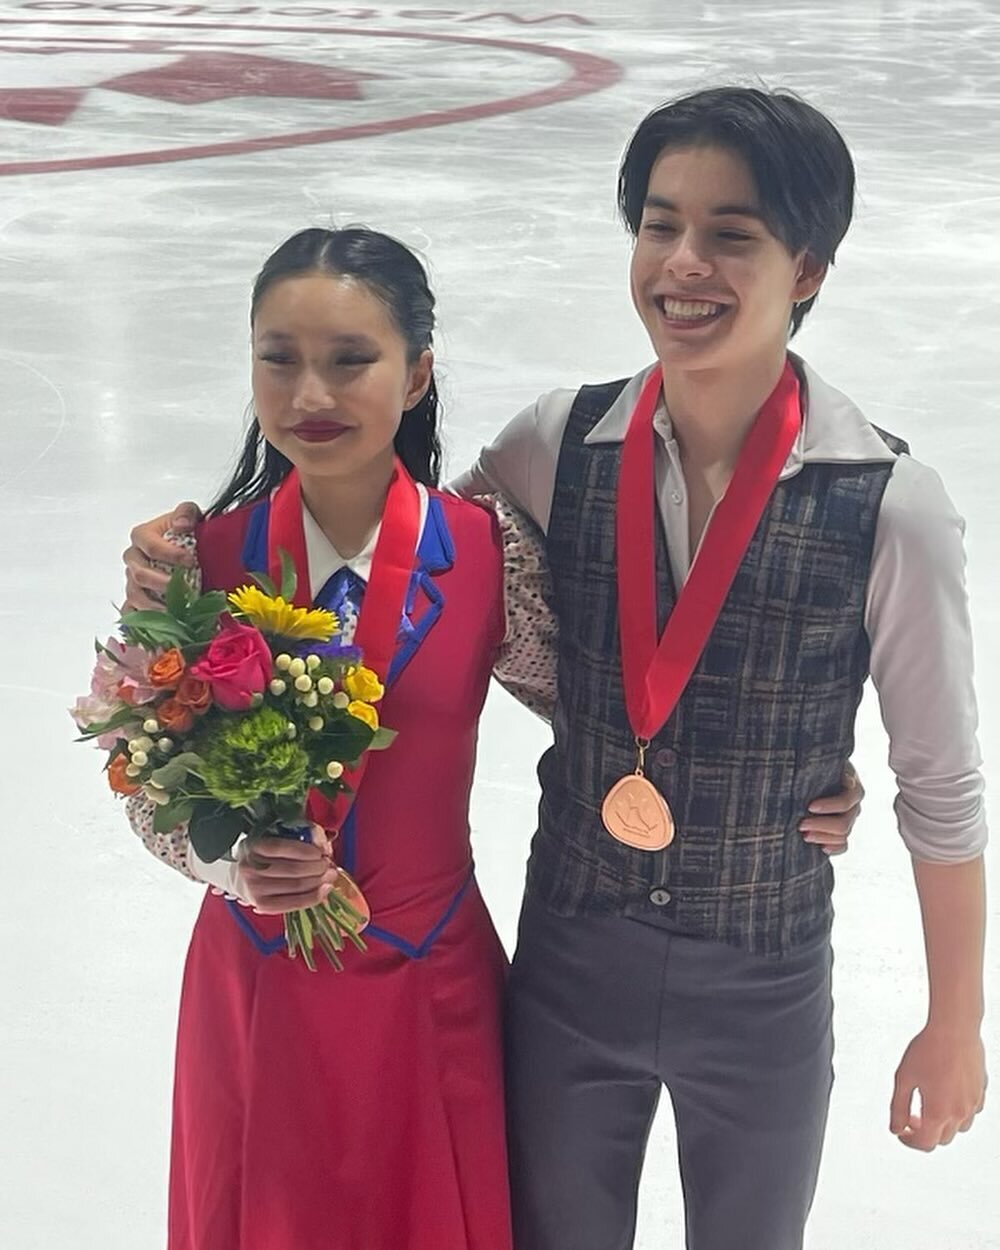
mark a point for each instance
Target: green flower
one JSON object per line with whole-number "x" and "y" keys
{"x": 252, "y": 755}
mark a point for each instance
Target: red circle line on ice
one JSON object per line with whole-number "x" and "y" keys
{"x": 589, "y": 73}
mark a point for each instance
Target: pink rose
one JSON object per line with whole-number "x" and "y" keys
{"x": 237, "y": 665}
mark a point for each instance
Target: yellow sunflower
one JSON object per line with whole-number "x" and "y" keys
{"x": 275, "y": 616}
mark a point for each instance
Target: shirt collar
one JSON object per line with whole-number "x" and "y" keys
{"x": 324, "y": 558}
{"x": 833, "y": 427}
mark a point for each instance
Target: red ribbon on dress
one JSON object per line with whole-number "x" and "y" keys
{"x": 384, "y": 599}
{"x": 655, "y": 674}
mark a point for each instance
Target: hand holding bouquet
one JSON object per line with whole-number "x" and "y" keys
{"x": 226, "y": 711}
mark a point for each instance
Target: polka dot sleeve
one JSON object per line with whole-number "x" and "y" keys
{"x": 526, "y": 663}
{"x": 171, "y": 847}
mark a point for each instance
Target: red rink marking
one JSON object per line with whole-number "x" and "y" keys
{"x": 42, "y": 106}
{"x": 203, "y": 77}
{"x": 589, "y": 74}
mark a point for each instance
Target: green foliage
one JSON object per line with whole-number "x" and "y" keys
{"x": 174, "y": 773}
{"x": 289, "y": 579}
{"x": 382, "y": 738}
{"x": 214, "y": 830}
{"x": 344, "y": 738}
{"x": 172, "y": 814}
{"x": 253, "y": 755}
{"x": 124, "y": 716}
{"x": 190, "y": 619}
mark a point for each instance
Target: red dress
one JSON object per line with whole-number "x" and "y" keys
{"x": 362, "y": 1110}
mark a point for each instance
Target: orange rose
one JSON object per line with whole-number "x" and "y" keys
{"x": 118, "y": 779}
{"x": 165, "y": 671}
{"x": 194, "y": 693}
{"x": 174, "y": 716}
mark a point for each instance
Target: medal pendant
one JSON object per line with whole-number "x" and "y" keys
{"x": 348, "y": 889}
{"x": 636, "y": 813}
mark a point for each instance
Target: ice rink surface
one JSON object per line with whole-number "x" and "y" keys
{"x": 151, "y": 155}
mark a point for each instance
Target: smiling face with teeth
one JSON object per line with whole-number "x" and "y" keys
{"x": 714, "y": 287}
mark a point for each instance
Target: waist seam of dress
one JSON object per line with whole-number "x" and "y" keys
{"x": 270, "y": 946}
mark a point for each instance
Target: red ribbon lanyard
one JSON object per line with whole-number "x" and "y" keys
{"x": 384, "y": 599}
{"x": 655, "y": 674}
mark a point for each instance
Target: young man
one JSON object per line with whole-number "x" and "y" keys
{"x": 676, "y": 924}
{"x": 705, "y": 965}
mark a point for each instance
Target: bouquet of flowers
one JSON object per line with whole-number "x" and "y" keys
{"x": 225, "y": 711}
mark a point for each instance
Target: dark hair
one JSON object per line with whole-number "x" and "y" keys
{"x": 392, "y": 273}
{"x": 800, "y": 163}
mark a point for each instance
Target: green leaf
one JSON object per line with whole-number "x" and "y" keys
{"x": 126, "y": 716}
{"x": 154, "y": 629}
{"x": 214, "y": 830}
{"x": 209, "y": 604}
{"x": 289, "y": 578}
{"x": 265, "y": 583}
{"x": 170, "y": 815}
{"x": 383, "y": 738}
{"x": 204, "y": 613}
{"x": 178, "y": 594}
{"x": 173, "y": 773}
{"x": 101, "y": 649}
{"x": 289, "y": 810}
{"x": 345, "y": 738}
{"x": 331, "y": 789}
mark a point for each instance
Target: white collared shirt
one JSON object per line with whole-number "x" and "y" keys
{"x": 916, "y": 613}
{"x": 324, "y": 559}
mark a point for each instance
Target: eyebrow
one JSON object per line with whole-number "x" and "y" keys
{"x": 343, "y": 340}
{"x": 722, "y": 210}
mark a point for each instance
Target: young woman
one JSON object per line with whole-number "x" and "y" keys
{"x": 361, "y": 1110}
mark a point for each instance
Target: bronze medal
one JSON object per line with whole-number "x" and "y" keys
{"x": 637, "y": 814}
{"x": 348, "y": 889}
{"x": 655, "y": 671}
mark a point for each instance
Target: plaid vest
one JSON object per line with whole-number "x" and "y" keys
{"x": 764, "y": 726}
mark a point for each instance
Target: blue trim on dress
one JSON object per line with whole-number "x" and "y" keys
{"x": 349, "y": 841}
{"x": 265, "y": 946}
{"x": 271, "y": 946}
{"x": 418, "y": 952}
{"x": 253, "y": 557}
{"x": 435, "y": 553}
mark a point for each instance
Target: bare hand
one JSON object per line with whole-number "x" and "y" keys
{"x": 830, "y": 821}
{"x": 949, "y": 1070}
{"x": 144, "y": 585}
{"x": 280, "y": 874}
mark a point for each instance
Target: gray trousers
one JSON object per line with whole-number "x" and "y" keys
{"x": 602, "y": 1012}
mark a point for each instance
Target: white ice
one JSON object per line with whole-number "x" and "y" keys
{"x": 123, "y": 377}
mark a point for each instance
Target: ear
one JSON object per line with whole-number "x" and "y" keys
{"x": 810, "y": 278}
{"x": 420, "y": 379}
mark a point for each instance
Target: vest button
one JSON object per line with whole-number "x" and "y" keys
{"x": 660, "y": 898}
{"x": 665, "y": 758}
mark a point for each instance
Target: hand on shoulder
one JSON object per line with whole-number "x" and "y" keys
{"x": 144, "y": 583}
